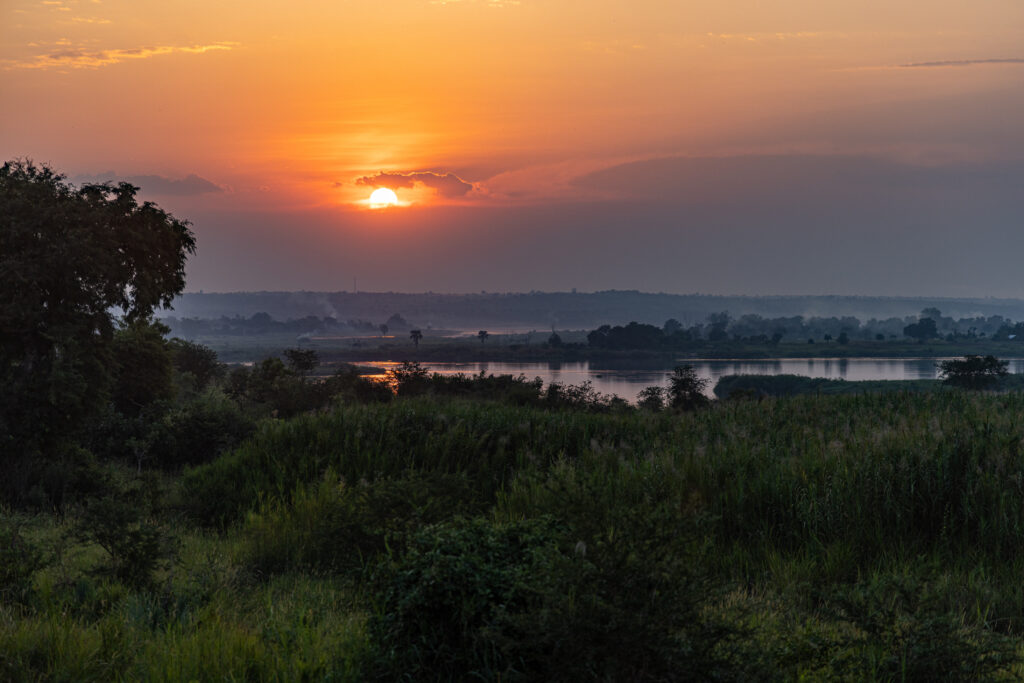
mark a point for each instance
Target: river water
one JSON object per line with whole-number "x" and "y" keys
{"x": 626, "y": 379}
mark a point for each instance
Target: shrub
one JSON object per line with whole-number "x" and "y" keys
{"x": 528, "y": 600}
{"x": 442, "y": 604}
{"x": 19, "y": 560}
{"x": 973, "y": 372}
{"x": 902, "y": 632}
{"x": 200, "y": 430}
{"x": 651, "y": 398}
{"x": 136, "y": 547}
{"x": 335, "y": 527}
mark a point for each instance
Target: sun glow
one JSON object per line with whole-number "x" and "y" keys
{"x": 383, "y": 197}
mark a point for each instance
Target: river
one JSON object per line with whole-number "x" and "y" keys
{"x": 627, "y": 379}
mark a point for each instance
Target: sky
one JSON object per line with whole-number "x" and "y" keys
{"x": 720, "y": 146}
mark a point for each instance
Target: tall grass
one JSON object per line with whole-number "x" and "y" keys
{"x": 853, "y": 537}
{"x": 880, "y": 471}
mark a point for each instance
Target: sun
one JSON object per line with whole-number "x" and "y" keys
{"x": 383, "y": 197}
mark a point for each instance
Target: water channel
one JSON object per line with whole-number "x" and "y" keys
{"x": 627, "y": 379}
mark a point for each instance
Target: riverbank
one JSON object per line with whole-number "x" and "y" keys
{"x": 503, "y": 348}
{"x": 798, "y": 385}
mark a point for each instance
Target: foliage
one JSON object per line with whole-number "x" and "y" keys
{"x": 973, "y": 372}
{"x": 686, "y": 389}
{"x": 68, "y": 258}
{"x": 735, "y": 386}
{"x": 19, "y": 560}
{"x": 197, "y": 362}
{"x": 409, "y": 378}
{"x": 651, "y": 398}
{"x": 200, "y": 430}
{"x": 922, "y": 330}
{"x": 334, "y": 527}
{"x": 903, "y": 632}
{"x": 301, "y": 361}
{"x": 136, "y": 547}
{"x": 519, "y": 601}
{"x": 441, "y": 605}
{"x": 144, "y": 363}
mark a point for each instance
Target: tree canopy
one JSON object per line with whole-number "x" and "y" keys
{"x": 973, "y": 372}
{"x": 73, "y": 262}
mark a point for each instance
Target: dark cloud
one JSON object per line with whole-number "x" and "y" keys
{"x": 961, "y": 62}
{"x": 446, "y": 185}
{"x": 156, "y": 184}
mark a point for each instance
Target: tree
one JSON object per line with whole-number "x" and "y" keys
{"x": 973, "y": 372}
{"x": 651, "y": 398}
{"x": 196, "y": 360}
{"x": 921, "y": 330}
{"x": 686, "y": 389}
{"x": 844, "y": 338}
{"x": 409, "y": 378}
{"x": 717, "y": 324}
{"x": 483, "y": 335}
{"x": 383, "y": 327}
{"x": 301, "y": 361}
{"x": 416, "y": 335}
{"x": 554, "y": 340}
{"x": 144, "y": 367}
{"x": 70, "y": 261}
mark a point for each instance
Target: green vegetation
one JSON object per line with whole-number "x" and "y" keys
{"x": 967, "y": 374}
{"x": 862, "y": 537}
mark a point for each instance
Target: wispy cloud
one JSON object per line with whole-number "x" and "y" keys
{"x": 157, "y": 184}
{"x": 961, "y": 62}
{"x": 445, "y": 184}
{"x": 83, "y": 58}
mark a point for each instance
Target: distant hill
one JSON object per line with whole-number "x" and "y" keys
{"x": 565, "y": 310}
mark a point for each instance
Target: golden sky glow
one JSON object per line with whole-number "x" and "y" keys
{"x": 297, "y": 106}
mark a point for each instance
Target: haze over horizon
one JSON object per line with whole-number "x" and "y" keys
{"x": 738, "y": 148}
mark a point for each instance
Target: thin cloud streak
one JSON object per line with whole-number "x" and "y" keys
{"x": 961, "y": 62}
{"x": 81, "y": 58}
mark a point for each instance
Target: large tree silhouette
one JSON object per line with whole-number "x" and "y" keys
{"x": 74, "y": 263}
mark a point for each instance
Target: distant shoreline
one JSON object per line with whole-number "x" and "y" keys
{"x": 472, "y": 353}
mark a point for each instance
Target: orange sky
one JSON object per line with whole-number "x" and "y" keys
{"x": 283, "y": 107}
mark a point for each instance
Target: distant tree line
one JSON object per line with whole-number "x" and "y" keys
{"x": 263, "y": 323}
{"x": 755, "y": 329}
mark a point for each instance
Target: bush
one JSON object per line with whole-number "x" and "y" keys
{"x": 19, "y": 560}
{"x": 903, "y": 632}
{"x": 136, "y": 547}
{"x": 68, "y": 477}
{"x": 973, "y": 372}
{"x": 335, "y": 527}
{"x": 528, "y": 600}
{"x": 199, "y": 431}
{"x": 443, "y": 604}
